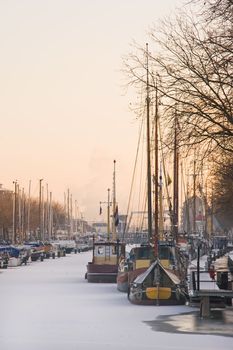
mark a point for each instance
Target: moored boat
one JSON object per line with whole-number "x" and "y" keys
{"x": 104, "y": 265}
{"x": 157, "y": 286}
{"x": 164, "y": 281}
{"x": 37, "y": 250}
{"x": 67, "y": 245}
{"x": 140, "y": 258}
{"x": 4, "y": 259}
{"x": 13, "y": 255}
{"x": 108, "y": 253}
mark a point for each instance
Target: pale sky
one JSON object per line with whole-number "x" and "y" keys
{"x": 64, "y": 113}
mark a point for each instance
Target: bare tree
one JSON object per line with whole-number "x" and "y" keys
{"x": 216, "y": 9}
{"x": 223, "y": 191}
{"x": 195, "y": 77}
{"x": 6, "y": 209}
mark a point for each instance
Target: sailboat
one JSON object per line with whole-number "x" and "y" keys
{"x": 106, "y": 254}
{"x": 139, "y": 259}
{"x": 161, "y": 283}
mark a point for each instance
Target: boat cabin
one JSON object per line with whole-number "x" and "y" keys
{"x": 107, "y": 253}
{"x": 104, "y": 265}
{"x": 167, "y": 254}
{"x": 141, "y": 257}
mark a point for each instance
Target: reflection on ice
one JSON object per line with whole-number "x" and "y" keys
{"x": 220, "y": 323}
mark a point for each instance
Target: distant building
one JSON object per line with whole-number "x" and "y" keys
{"x": 100, "y": 227}
{"x": 203, "y": 219}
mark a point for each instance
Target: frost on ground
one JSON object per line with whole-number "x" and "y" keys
{"x": 49, "y": 305}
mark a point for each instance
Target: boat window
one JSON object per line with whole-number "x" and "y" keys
{"x": 166, "y": 252}
{"x": 100, "y": 250}
{"x": 143, "y": 253}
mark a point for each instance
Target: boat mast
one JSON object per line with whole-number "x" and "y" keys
{"x": 156, "y": 219}
{"x": 68, "y": 213}
{"x": 187, "y": 201}
{"x": 194, "y": 193}
{"x": 29, "y": 208}
{"x": 50, "y": 226}
{"x": 19, "y": 215}
{"x": 160, "y": 198}
{"x": 42, "y": 234}
{"x": 114, "y": 202}
{"x": 149, "y": 204}
{"x": 14, "y": 213}
{"x": 108, "y": 214}
{"x": 176, "y": 182}
{"x": 75, "y": 215}
{"x": 23, "y": 216}
{"x": 47, "y": 212}
{"x": 212, "y": 212}
{"x": 71, "y": 215}
{"x": 40, "y": 221}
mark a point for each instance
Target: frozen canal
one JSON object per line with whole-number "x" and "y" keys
{"x": 49, "y": 305}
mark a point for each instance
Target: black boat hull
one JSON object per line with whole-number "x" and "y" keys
{"x": 101, "y": 273}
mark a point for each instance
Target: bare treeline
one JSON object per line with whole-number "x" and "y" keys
{"x": 25, "y": 215}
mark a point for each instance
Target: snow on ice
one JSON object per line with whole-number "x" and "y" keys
{"x": 49, "y": 305}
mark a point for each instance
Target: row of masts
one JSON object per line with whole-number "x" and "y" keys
{"x": 153, "y": 236}
{"x": 72, "y": 213}
{"x": 45, "y": 231}
{"x": 22, "y": 213}
{"x": 155, "y": 217}
{"x": 45, "y": 213}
